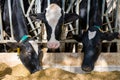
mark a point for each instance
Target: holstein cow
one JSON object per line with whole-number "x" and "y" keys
{"x": 92, "y": 38}
{"x": 54, "y": 17}
{"x": 30, "y": 55}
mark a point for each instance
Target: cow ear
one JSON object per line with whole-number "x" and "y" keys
{"x": 37, "y": 16}
{"x": 109, "y": 36}
{"x": 69, "y": 17}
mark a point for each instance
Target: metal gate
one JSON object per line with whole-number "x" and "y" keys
{"x": 113, "y": 9}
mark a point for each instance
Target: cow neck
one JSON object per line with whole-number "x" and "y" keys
{"x": 24, "y": 38}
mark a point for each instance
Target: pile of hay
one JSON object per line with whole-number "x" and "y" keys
{"x": 8, "y": 73}
{"x": 4, "y": 69}
{"x": 19, "y": 72}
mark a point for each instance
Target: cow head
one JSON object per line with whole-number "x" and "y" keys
{"x": 54, "y": 18}
{"x": 92, "y": 41}
{"x": 30, "y": 54}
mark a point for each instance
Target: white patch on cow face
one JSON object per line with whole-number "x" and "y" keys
{"x": 82, "y": 13}
{"x": 53, "y": 14}
{"x": 91, "y": 35}
{"x": 34, "y": 45}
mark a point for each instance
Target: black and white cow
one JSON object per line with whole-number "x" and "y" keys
{"x": 54, "y": 17}
{"x": 30, "y": 55}
{"x": 92, "y": 38}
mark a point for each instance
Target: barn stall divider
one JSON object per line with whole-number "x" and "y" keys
{"x": 70, "y": 61}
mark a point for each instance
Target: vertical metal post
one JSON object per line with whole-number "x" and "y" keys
{"x": 10, "y": 18}
{"x": 48, "y": 2}
{"x": 103, "y": 9}
{"x": 1, "y": 26}
{"x": 88, "y": 10}
{"x": 117, "y": 28}
{"x": 117, "y": 23}
{"x": 38, "y": 6}
{"x": 63, "y": 5}
{"x": 22, "y": 6}
{"x": 77, "y": 11}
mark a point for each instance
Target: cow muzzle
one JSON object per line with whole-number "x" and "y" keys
{"x": 53, "y": 45}
{"x": 87, "y": 68}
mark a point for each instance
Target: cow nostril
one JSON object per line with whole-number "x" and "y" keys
{"x": 57, "y": 45}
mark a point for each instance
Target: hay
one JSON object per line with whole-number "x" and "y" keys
{"x": 15, "y": 73}
{"x": 4, "y": 70}
{"x": 19, "y": 72}
{"x": 59, "y": 74}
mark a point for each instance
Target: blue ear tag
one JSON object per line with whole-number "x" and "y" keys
{"x": 98, "y": 27}
{"x": 25, "y": 37}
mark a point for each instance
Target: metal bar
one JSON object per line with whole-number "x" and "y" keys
{"x": 35, "y": 28}
{"x": 63, "y": 5}
{"x": 1, "y": 26}
{"x": 22, "y": 6}
{"x": 103, "y": 9}
{"x": 74, "y": 41}
{"x": 5, "y": 41}
{"x": 48, "y": 2}
{"x": 32, "y": 26}
{"x": 109, "y": 24}
{"x": 27, "y": 15}
{"x": 71, "y": 27}
{"x": 70, "y": 6}
{"x": 109, "y": 7}
{"x": 116, "y": 20}
{"x": 77, "y": 11}
{"x": 88, "y": 10}
{"x": 106, "y": 15}
{"x": 31, "y": 5}
{"x": 64, "y": 41}
{"x": 10, "y": 18}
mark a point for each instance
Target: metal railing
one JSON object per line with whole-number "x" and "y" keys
{"x": 76, "y": 3}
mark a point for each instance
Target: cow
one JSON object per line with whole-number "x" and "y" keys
{"x": 92, "y": 37}
{"x": 54, "y": 17}
{"x": 30, "y": 52}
